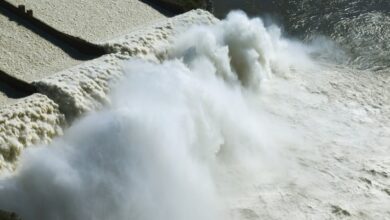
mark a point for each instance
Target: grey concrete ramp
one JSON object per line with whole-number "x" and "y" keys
{"x": 27, "y": 56}
{"x": 95, "y": 21}
{"x": 29, "y": 52}
{"x": 85, "y": 87}
{"x": 70, "y": 93}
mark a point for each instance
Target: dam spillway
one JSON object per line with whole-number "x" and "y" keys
{"x": 198, "y": 118}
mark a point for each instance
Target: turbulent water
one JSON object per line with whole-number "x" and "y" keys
{"x": 360, "y": 27}
{"x": 238, "y": 123}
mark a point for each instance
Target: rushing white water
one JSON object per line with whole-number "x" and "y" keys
{"x": 176, "y": 138}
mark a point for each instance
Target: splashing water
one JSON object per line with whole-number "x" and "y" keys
{"x": 176, "y": 135}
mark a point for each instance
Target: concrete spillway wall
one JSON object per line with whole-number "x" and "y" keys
{"x": 71, "y": 93}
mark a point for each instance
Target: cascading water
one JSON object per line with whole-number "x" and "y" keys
{"x": 191, "y": 137}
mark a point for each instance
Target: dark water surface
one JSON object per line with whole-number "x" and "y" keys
{"x": 360, "y": 27}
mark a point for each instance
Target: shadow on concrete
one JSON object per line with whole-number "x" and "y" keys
{"x": 168, "y": 10}
{"x": 171, "y": 9}
{"x": 15, "y": 88}
{"x": 75, "y": 47}
{"x": 11, "y": 92}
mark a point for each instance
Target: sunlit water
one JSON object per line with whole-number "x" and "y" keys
{"x": 186, "y": 138}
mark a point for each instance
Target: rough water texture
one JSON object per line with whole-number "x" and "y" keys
{"x": 361, "y": 27}
{"x": 273, "y": 133}
{"x": 32, "y": 120}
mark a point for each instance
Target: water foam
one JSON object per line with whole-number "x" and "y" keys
{"x": 171, "y": 137}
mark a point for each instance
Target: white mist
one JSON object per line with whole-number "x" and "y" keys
{"x": 176, "y": 137}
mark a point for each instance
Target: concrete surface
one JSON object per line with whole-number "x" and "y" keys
{"x": 29, "y": 54}
{"x": 82, "y": 88}
{"x": 68, "y": 93}
{"x": 95, "y": 21}
{"x": 85, "y": 87}
{"x": 26, "y": 55}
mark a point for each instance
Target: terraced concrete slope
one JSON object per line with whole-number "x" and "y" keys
{"x": 29, "y": 53}
{"x": 26, "y": 55}
{"x": 85, "y": 87}
{"x": 82, "y": 88}
{"x": 94, "y": 21}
